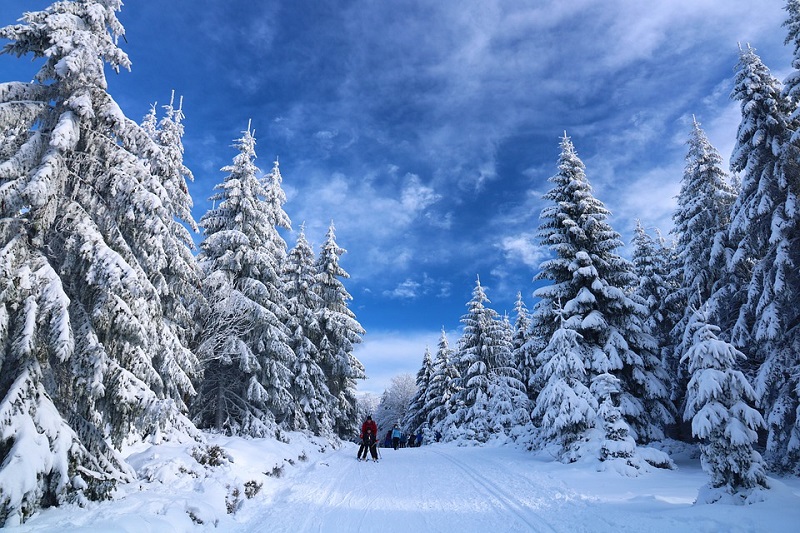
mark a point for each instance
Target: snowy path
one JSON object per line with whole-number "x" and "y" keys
{"x": 422, "y": 489}
{"x": 477, "y": 490}
{"x": 440, "y": 488}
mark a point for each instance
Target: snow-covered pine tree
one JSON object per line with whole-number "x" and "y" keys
{"x": 489, "y": 383}
{"x": 521, "y": 347}
{"x": 340, "y": 331}
{"x": 718, "y": 404}
{"x": 276, "y": 357}
{"x": 590, "y": 291}
{"x": 442, "y": 385}
{"x": 477, "y": 348}
{"x": 244, "y": 347}
{"x": 508, "y": 407}
{"x": 565, "y": 410}
{"x": 178, "y": 279}
{"x": 416, "y": 419}
{"x": 764, "y": 236}
{"x": 617, "y": 446}
{"x": 701, "y": 217}
{"x": 309, "y": 387}
{"x": 652, "y": 262}
{"x": 82, "y": 229}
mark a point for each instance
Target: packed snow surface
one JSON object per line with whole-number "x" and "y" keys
{"x": 307, "y": 485}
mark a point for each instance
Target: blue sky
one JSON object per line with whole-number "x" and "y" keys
{"x": 427, "y": 130}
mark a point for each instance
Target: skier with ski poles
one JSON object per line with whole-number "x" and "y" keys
{"x": 369, "y": 432}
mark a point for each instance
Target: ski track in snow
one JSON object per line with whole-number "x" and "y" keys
{"x": 426, "y": 489}
{"x": 433, "y": 489}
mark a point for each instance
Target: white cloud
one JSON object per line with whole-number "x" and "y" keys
{"x": 523, "y": 248}
{"x": 386, "y": 354}
{"x": 407, "y": 290}
{"x": 411, "y": 289}
{"x": 415, "y": 196}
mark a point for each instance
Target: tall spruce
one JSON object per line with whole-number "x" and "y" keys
{"x": 481, "y": 408}
{"x": 309, "y": 386}
{"x": 84, "y": 227}
{"x": 442, "y": 386}
{"x": 277, "y": 357}
{"x": 589, "y": 293}
{"x": 522, "y": 348}
{"x": 652, "y": 261}
{"x": 340, "y": 331}
{"x": 764, "y": 237}
{"x": 718, "y": 402}
{"x": 700, "y": 219}
{"x": 416, "y": 420}
{"x": 244, "y": 347}
{"x": 178, "y": 276}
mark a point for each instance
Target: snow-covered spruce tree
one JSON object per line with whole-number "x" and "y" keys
{"x": 442, "y": 386}
{"x": 277, "y": 358}
{"x": 178, "y": 278}
{"x": 416, "y": 419}
{"x": 565, "y": 410}
{"x": 508, "y": 407}
{"x": 718, "y": 404}
{"x": 701, "y": 219}
{"x": 488, "y": 378}
{"x": 309, "y": 388}
{"x": 340, "y": 331}
{"x": 764, "y": 237}
{"x": 617, "y": 445}
{"x": 652, "y": 262}
{"x": 590, "y": 291}
{"x": 521, "y": 347}
{"x": 83, "y": 223}
{"x": 244, "y": 348}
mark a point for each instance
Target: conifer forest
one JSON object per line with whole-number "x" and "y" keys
{"x": 123, "y": 319}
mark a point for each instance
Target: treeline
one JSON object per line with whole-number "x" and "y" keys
{"x": 112, "y": 331}
{"x": 695, "y": 338}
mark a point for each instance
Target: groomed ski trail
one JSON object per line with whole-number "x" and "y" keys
{"x": 430, "y": 489}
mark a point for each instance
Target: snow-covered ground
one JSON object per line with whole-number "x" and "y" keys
{"x": 306, "y": 485}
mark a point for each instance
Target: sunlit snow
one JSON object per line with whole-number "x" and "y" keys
{"x": 306, "y": 485}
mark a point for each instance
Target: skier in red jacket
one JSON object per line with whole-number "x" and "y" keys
{"x": 369, "y": 432}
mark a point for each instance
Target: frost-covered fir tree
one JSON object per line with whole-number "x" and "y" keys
{"x": 488, "y": 378}
{"x": 245, "y": 344}
{"x": 340, "y": 331}
{"x": 763, "y": 237}
{"x": 178, "y": 276}
{"x": 718, "y": 404}
{"x": 565, "y": 409}
{"x": 508, "y": 406}
{"x": 309, "y": 388}
{"x": 416, "y": 419}
{"x": 522, "y": 347}
{"x": 701, "y": 218}
{"x": 277, "y": 358}
{"x": 652, "y": 261}
{"x": 442, "y": 386}
{"x": 590, "y": 291}
{"x": 617, "y": 445}
{"x": 84, "y": 229}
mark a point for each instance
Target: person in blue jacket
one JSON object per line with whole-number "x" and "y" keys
{"x": 396, "y": 433}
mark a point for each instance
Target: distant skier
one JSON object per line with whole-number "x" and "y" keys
{"x": 369, "y": 432}
{"x": 396, "y": 433}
